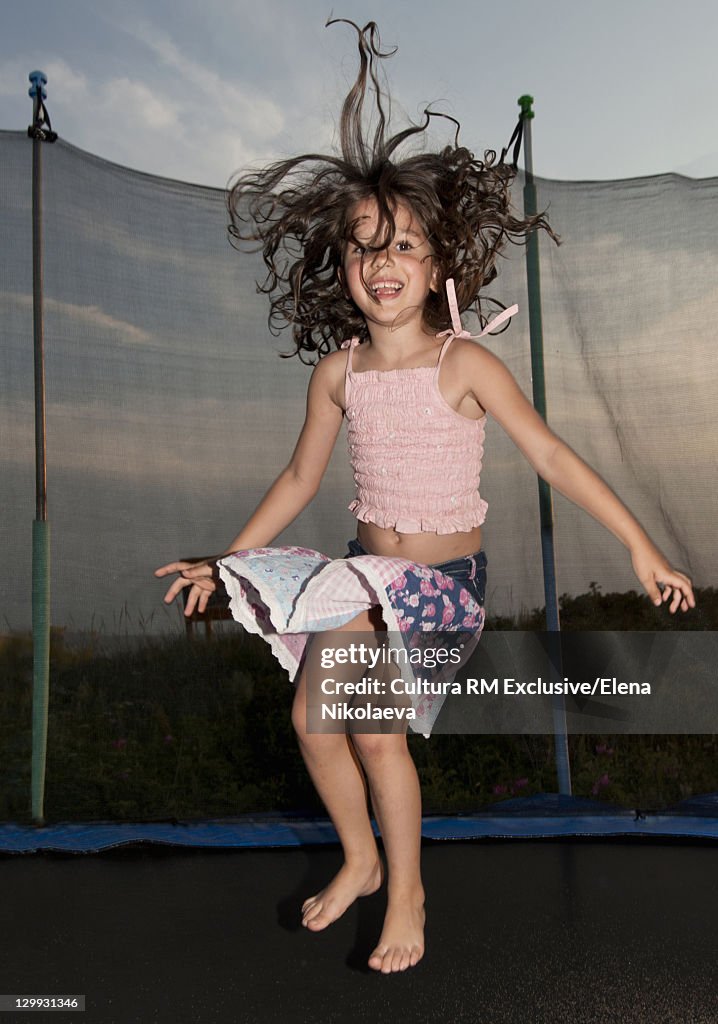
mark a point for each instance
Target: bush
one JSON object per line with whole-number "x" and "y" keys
{"x": 178, "y": 728}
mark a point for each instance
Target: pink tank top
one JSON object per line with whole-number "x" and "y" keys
{"x": 416, "y": 461}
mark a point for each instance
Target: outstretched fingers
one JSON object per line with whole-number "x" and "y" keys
{"x": 198, "y": 596}
{"x": 674, "y": 589}
{"x": 201, "y": 578}
{"x": 662, "y": 583}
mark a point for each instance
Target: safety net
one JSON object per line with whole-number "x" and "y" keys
{"x": 169, "y": 412}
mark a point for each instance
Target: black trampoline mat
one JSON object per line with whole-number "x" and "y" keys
{"x": 527, "y": 931}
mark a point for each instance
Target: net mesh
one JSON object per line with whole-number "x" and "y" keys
{"x": 169, "y": 411}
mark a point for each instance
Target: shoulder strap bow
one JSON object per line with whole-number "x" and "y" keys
{"x": 457, "y": 330}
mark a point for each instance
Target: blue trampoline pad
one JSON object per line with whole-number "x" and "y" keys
{"x": 547, "y": 816}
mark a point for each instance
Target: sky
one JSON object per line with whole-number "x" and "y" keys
{"x": 196, "y": 90}
{"x": 153, "y": 321}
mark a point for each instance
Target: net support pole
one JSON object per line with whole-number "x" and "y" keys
{"x": 553, "y": 624}
{"x": 41, "y": 526}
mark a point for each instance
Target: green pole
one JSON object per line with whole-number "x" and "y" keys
{"x": 41, "y": 663}
{"x": 40, "y": 527}
{"x": 553, "y": 624}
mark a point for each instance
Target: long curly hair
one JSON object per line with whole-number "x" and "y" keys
{"x": 300, "y": 212}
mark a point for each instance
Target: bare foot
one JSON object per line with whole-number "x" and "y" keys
{"x": 401, "y": 943}
{"x": 349, "y": 883}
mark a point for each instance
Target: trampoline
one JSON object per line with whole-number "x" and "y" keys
{"x": 547, "y": 931}
{"x": 548, "y": 909}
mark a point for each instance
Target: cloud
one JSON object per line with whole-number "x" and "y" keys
{"x": 204, "y": 124}
{"x": 142, "y": 445}
{"x": 226, "y": 282}
{"x": 191, "y": 125}
{"x": 91, "y": 316}
{"x": 136, "y": 102}
{"x": 129, "y": 100}
{"x": 14, "y": 74}
{"x": 235, "y": 105}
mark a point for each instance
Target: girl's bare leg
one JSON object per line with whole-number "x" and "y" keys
{"x": 338, "y": 777}
{"x": 396, "y": 800}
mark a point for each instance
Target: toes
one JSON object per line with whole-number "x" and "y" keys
{"x": 311, "y": 917}
{"x": 317, "y": 917}
{"x": 382, "y": 959}
{"x": 315, "y": 924}
{"x": 308, "y": 904}
{"x": 392, "y": 960}
{"x": 400, "y": 960}
{"x": 376, "y": 960}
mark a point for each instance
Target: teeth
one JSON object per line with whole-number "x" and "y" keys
{"x": 386, "y": 286}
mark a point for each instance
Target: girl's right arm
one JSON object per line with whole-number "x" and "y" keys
{"x": 290, "y": 493}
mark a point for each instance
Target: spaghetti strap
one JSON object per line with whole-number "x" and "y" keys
{"x": 347, "y": 380}
{"x": 444, "y": 347}
{"x": 457, "y": 329}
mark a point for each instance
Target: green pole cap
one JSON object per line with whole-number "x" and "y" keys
{"x": 525, "y": 104}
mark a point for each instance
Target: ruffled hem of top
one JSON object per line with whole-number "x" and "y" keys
{"x": 427, "y": 524}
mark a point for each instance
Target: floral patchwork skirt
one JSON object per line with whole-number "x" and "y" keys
{"x": 285, "y": 594}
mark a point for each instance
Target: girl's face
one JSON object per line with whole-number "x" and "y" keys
{"x": 398, "y": 278}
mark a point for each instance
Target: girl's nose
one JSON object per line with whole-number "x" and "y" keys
{"x": 380, "y": 257}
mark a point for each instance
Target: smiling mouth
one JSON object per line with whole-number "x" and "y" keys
{"x": 382, "y": 289}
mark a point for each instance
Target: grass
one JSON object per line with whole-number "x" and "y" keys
{"x": 189, "y": 729}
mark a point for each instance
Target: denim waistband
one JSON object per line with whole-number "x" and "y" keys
{"x": 476, "y": 561}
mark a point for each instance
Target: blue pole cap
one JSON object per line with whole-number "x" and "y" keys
{"x": 39, "y": 81}
{"x": 41, "y": 118}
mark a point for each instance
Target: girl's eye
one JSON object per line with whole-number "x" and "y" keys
{"x": 403, "y": 246}
{"x": 358, "y": 250}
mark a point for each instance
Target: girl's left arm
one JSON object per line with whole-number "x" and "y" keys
{"x": 496, "y": 391}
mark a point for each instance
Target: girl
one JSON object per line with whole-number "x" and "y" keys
{"x": 386, "y": 252}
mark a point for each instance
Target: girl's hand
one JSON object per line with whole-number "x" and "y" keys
{"x": 661, "y": 582}
{"x": 202, "y": 576}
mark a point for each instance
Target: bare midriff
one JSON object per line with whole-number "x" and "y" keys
{"x": 425, "y": 548}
